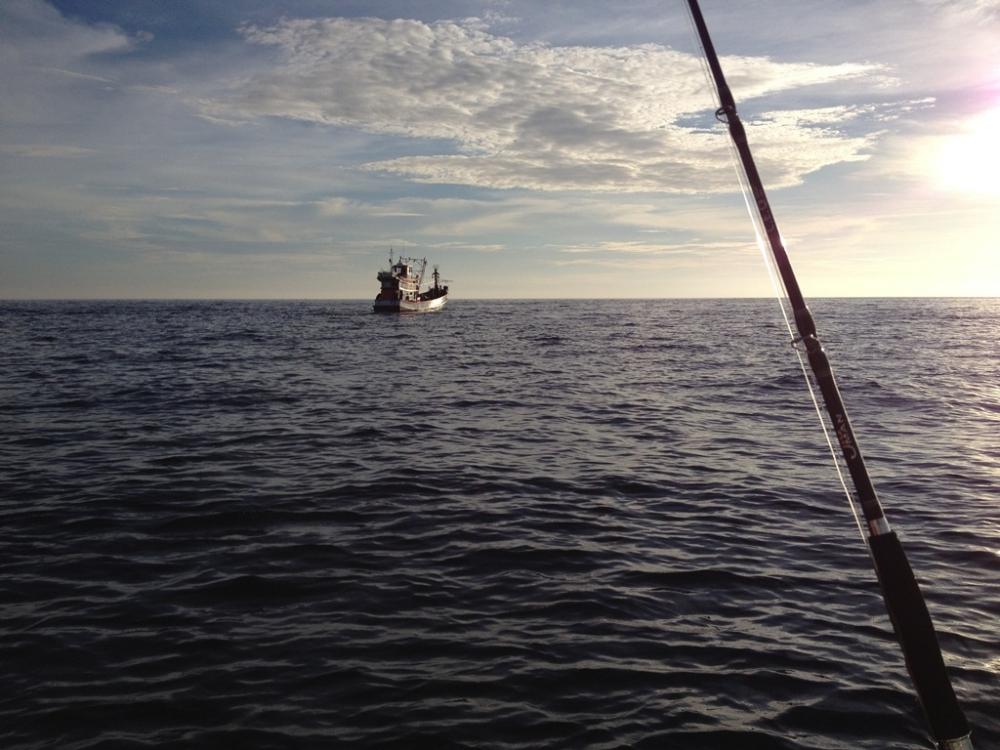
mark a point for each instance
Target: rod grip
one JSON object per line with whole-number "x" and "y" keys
{"x": 916, "y": 635}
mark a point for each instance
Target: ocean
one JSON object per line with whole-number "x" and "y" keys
{"x": 512, "y": 524}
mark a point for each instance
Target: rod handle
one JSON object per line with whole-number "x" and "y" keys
{"x": 916, "y": 635}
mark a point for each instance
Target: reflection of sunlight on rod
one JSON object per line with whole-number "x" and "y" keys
{"x": 903, "y": 599}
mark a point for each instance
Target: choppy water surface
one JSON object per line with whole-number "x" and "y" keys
{"x": 509, "y": 525}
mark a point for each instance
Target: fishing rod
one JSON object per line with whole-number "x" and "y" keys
{"x": 903, "y": 600}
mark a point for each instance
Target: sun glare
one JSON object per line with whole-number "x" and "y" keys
{"x": 970, "y": 161}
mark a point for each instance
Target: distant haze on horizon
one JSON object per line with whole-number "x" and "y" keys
{"x": 247, "y": 150}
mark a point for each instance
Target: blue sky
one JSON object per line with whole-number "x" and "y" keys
{"x": 251, "y": 149}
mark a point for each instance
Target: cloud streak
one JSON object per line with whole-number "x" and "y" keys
{"x": 508, "y": 115}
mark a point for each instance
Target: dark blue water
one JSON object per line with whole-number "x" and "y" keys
{"x": 508, "y": 525}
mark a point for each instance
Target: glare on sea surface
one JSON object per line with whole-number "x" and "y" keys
{"x": 970, "y": 160}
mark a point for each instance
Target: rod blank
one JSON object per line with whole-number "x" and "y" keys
{"x": 900, "y": 591}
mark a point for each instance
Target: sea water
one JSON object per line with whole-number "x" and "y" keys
{"x": 511, "y": 524}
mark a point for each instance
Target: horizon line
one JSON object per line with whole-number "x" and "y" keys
{"x": 478, "y": 299}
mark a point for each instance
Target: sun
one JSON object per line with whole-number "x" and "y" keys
{"x": 969, "y": 161}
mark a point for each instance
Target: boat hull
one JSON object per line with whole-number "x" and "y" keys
{"x": 409, "y": 306}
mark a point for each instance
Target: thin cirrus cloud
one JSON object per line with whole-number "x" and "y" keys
{"x": 49, "y": 150}
{"x": 37, "y": 34}
{"x": 989, "y": 9}
{"x": 653, "y": 248}
{"x": 502, "y": 114}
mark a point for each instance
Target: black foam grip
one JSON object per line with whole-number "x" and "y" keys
{"x": 915, "y": 632}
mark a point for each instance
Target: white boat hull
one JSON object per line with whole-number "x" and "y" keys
{"x": 407, "y": 306}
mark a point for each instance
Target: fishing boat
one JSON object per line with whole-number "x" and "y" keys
{"x": 400, "y": 290}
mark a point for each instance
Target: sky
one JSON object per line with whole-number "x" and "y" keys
{"x": 280, "y": 148}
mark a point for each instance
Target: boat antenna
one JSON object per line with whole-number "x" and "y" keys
{"x": 903, "y": 600}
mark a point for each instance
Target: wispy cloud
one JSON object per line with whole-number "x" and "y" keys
{"x": 988, "y": 9}
{"x": 47, "y": 150}
{"x": 698, "y": 247}
{"x": 37, "y": 34}
{"x": 513, "y": 115}
{"x": 47, "y": 63}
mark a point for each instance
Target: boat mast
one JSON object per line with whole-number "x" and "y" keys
{"x": 902, "y": 596}
{"x": 420, "y": 276}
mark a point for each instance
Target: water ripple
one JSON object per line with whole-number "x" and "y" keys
{"x": 510, "y": 525}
